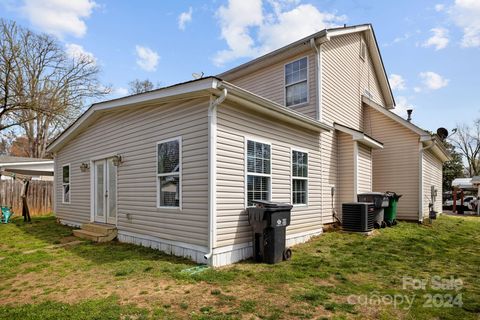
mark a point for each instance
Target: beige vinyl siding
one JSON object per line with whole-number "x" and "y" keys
{"x": 346, "y": 157}
{"x": 345, "y": 76}
{"x": 364, "y": 173}
{"x": 396, "y": 166}
{"x": 269, "y": 82}
{"x": 432, "y": 176}
{"x": 233, "y": 126}
{"x": 329, "y": 155}
{"x": 134, "y": 134}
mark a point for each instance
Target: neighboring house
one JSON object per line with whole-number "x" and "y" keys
{"x": 175, "y": 168}
{"x": 38, "y": 169}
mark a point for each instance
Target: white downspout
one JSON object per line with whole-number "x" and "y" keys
{"x": 420, "y": 205}
{"x": 355, "y": 171}
{"x": 212, "y": 169}
{"x": 318, "y": 55}
{"x": 54, "y": 202}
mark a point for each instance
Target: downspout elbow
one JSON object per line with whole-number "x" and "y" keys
{"x": 213, "y": 106}
{"x": 430, "y": 146}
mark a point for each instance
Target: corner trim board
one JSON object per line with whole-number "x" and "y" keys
{"x": 355, "y": 170}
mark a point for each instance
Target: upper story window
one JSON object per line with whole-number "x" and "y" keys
{"x": 363, "y": 50}
{"x": 66, "y": 184}
{"x": 296, "y": 83}
{"x": 169, "y": 168}
{"x": 258, "y": 171}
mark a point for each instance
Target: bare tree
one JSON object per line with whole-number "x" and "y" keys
{"x": 43, "y": 89}
{"x": 140, "y": 86}
{"x": 467, "y": 141}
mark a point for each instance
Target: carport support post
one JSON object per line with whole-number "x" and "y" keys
{"x": 454, "y": 208}
{"x": 478, "y": 201}
{"x": 462, "y": 195}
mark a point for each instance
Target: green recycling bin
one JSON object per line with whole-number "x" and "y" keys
{"x": 390, "y": 213}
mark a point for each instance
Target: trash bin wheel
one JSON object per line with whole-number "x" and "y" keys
{"x": 394, "y": 223}
{"x": 389, "y": 223}
{"x": 287, "y": 254}
{"x": 376, "y": 225}
{"x": 383, "y": 224}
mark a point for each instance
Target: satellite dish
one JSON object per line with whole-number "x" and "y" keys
{"x": 442, "y": 133}
{"x": 197, "y": 76}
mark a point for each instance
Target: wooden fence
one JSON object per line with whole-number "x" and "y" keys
{"x": 40, "y": 196}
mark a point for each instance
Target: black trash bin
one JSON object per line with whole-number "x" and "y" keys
{"x": 269, "y": 221}
{"x": 380, "y": 202}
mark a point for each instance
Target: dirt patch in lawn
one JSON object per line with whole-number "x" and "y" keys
{"x": 179, "y": 297}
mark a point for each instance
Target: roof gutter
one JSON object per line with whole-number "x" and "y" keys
{"x": 318, "y": 54}
{"x": 212, "y": 168}
{"x": 258, "y": 103}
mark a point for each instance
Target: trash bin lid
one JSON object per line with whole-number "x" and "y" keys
{"x": 381, "y": 194}
{"x": 393, "y": 195}
{"x": 271, "y": 204}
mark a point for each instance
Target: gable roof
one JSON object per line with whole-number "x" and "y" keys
{"x": 359, "y": 136}
{"x": 187, "y": 90}
{"x": 425, "y": 136}
{"x": 14, "y": 160}
{"x": 320, "y": 37}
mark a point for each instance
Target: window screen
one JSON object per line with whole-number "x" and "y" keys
{"x": 299, "y": 177}
{"x": 296, "y": 90}
{"x": 66, "y": 184}
{"x": 168, "y": 173}
{"x": 258, "y": 171}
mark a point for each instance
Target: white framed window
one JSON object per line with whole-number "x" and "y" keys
{"x": 299, "y": 177}
{"x": 66, "y": 184}
{"x": 169, "y": 173}
{"x": 258, "y": 171}
{"x": 296, "y": 82}
{"x": 363, "y": 50}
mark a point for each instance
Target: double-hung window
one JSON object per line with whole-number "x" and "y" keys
{"x": 258, "y": 171}
{"x": 299, "y": 177}
{"x": 66, "y": 184}
{"x": 296, "y": 84}
{"x": 169, "y": 168}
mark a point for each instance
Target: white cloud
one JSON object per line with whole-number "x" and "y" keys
{"x": 466, "y": 15}
{"x": 401, "y": 106}
{"x": 120, "y": 91}
{"x": 439, "y": 7}
{"x": 235, "y": 21}
{"x": 59, "y": 17}
{"x": 432, "y": 80}
{"x": 76, "y": 51}
{"x": 147, "y": 59}
{"x": 288, "y": 26}
{"x": 439, "y": 39}
{"x": 250, "y": 30}
{"x": 397, "y": 82}
{"x": 184, "y": 18}
{"x": 417, "y": 89}
{"x": 402, "y": 38}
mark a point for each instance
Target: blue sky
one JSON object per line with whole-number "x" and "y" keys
{"x": 431, "y": 49}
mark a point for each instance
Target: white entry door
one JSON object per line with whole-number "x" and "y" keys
{"x": 105, "y": 191}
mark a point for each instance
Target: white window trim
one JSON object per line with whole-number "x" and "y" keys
{"x": 259, "y": 140}
{"x": 69, "y": 184}
{"x": 292, "y": 177}
{"x": 179, "y": 173}
{"x": 291, "y": 84}
{"x": 362, "y": 44}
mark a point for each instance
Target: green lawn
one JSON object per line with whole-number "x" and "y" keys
{"x": 336, "y": 275}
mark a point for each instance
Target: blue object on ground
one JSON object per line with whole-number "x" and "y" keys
{"x": 6, "y": 214}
